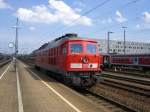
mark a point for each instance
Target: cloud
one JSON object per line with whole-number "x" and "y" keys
{"x": 146, "y": 17}
{"x": 32, "y": 28}
{"x": 138, "y": 26}
{"x": 119, "y": 17}
{"x": 106, "y": 21}
{"x": 79, "y": 3}
{"x": 56, "y": 11}
{"x": 39, "y": 14}
{"x": 4, "y": 5}
{"x": 78, "y": 9}
{"x": 109, "y": 20}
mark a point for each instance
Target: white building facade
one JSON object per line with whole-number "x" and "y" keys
{"x": 118, "y": 47}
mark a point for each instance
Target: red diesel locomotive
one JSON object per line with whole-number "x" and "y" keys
{"x": 75, "y": 60}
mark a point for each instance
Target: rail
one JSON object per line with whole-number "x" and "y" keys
{"x": 108, "y": 103}
{"x": 112, "y": 103}
{"x": 141, "y": 80}
{"x": 4, "y": 62}
{"x": 133, "y": 73}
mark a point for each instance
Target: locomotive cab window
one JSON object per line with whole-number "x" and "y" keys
{"x": 76, "y": 48}
{"x": 91, "y": 48}
{"x": 64, "y": 50}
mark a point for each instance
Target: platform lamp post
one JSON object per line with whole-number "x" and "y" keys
{"x": 16, "y": 38}
{"x": 124, "y": 35}
{"x": 16, "y": 27}
{"x": 108, "y": 39}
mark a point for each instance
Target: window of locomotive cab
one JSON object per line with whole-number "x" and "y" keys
{"x": 64, "y": 50}
{"x": 76, "y": 48}
{"x": 91, "y": 48}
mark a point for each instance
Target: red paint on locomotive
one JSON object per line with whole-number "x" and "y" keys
{"x": 72, "y": 57}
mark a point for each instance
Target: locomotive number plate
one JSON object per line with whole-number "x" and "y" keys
{"x": 85, "y": 65}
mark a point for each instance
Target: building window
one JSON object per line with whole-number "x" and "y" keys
{"x": 114, "y": 50}
{"x": 119, "y": 42}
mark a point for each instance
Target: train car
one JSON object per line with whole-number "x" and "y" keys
{"x": 138, "y": 61}
{"x": 75, "y": 59}
{"x": 106, "y": 61}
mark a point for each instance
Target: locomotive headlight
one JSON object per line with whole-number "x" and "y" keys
{"x": 91, "y": 65}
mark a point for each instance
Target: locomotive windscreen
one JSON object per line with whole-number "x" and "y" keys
{"x": 91, "y": 48}
{"x": 76, "y": 48}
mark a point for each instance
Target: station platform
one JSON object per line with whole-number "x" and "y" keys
{"x": 26, "y": 90}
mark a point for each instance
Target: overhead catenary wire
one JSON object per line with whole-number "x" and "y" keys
{"x": 92, "y": 9}
{"x": 83, "y": 14}
{"x": 118, "y": 24}
{"x": 121, "y": 7}
{"x": 131, "y": 31}
{"x": 98, "y": 6}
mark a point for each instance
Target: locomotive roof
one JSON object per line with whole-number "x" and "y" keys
{"x": 60, "y": 40}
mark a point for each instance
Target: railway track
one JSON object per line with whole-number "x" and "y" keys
{"x": 131, "y": 73}
{"x": 144, "y": 81}
{"x": 132, "y": 84}
{"x": 110, "y": 104}
{"x": 4, "y": 62}
{"x": 128, "y": 77}
{"x": 123, "y": 99}
{"x": 125, "y": 86}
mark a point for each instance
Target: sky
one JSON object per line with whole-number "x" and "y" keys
{"x": 41, "y": 21}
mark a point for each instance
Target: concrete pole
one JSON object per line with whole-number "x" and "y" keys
{"x": 16, "y": 27}
{"x": 16, "y": 42}
{"x": 124, "y": 35}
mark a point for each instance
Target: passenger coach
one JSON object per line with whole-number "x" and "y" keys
{"x": 138, "y": 61}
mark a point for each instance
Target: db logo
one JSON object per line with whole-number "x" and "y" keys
{"x": 85, "y": 65}
{"x": 84, "y": 59}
